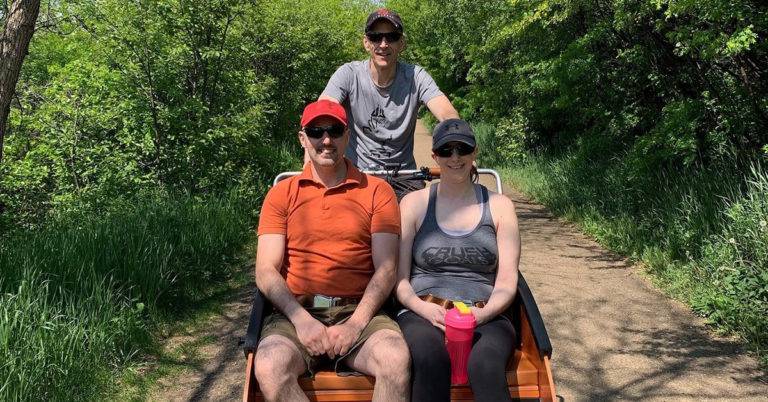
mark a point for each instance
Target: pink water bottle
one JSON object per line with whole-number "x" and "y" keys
{"x": 459, "y": 330}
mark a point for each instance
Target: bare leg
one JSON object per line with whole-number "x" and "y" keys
{"x": 385, "y": 356}
{"x": 278, "y": 365}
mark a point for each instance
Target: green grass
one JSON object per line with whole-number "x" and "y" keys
{"x": 82, "y": 296}
{"x": 701, "y": 233}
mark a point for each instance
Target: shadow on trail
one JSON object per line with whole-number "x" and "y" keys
{"x": 614, "y": 336}
{"x": 666, "y": 358}
{"x": 220, "y": 376}
{"x": 227, "y": 357}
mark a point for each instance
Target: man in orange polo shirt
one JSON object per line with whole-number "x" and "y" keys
{"x": 326, "y": 259}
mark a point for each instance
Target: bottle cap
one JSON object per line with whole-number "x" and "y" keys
{"x": 460, "y": 316}
{"x": 463, "y": 309}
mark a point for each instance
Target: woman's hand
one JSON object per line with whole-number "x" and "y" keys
{"x": 431, "y": 312}
{"x": 481, "y": 315}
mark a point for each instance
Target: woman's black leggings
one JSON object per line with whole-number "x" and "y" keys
{"x": 431, "y": 366}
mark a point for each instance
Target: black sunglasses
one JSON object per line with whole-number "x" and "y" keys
{"x": 334, "y": 131}
{"x": 376, "y": 37}
{"x": 446, "y": 151}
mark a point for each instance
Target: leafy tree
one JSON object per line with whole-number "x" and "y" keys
{"x": 679, "y": 80}
{"x": 196, "y": 97}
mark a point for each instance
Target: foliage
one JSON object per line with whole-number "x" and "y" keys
{"x": 57, "y": 350}
{"x": 190, "y": 96}
{"x": 735, "y": 263}
{"x": 594, "y": 107}
{"x": 504, "y": 143}
{"x": 142, "y": 137}
{"x": 622, "y": 69}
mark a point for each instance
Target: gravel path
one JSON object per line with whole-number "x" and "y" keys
{"x": 614, "y": 335}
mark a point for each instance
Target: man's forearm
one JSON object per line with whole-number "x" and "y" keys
{"x": 442, "y": 108}
{"x": 273, "y": 286}
{"x": 376, "y": 292}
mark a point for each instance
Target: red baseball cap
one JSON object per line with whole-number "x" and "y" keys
{"x": 323, "y": 107}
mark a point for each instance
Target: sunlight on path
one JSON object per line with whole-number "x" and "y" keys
{"x": 422, "y": 145}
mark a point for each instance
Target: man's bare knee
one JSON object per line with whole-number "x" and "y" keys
{"x": 390, "y": 356}
{"x": 387, "y": 358}
{"x": 277, "y": 364}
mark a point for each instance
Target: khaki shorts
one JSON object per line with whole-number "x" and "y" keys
{"x": 278, "y": 324}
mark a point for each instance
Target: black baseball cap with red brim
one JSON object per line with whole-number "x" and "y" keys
{"x": 384, "y": 14}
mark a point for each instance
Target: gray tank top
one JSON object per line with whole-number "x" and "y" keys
{"x": 454, "y": 267}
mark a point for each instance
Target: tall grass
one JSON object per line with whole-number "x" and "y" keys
{"x": 702, "y": 233}
{"x": 734, "y": 266}
{"x": 78, "y": 297}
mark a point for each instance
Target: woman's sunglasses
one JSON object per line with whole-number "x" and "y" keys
{"x": 391, "y": 37}
{"x": 316, "y": 132}
{"x": 446, "y": 151}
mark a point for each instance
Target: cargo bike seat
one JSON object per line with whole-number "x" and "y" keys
{"x": 528, "y": 372}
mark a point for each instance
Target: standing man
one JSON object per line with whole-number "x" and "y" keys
{"x": 382, "y": 97}
{"x": 326, "y": 259}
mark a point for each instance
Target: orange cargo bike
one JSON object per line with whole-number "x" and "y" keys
{"x": 529, "y": 374}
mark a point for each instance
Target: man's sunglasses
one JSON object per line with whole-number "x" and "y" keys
{"x": 334, "y": 131}
{"x": 391, "y": 37}
{"x": 446, "y": 151}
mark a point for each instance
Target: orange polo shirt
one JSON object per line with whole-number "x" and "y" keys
{"x": 328, "y": 230}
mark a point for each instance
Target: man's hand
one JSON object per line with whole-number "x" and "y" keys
{"x": 433, "y": 313}
{"x": 342, "y": 337}
{"x": 313, "y": 335}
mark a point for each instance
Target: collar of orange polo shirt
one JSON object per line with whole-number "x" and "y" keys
{"x": 354, "y": 175}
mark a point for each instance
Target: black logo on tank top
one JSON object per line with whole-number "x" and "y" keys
{"x": 458, "y": 256}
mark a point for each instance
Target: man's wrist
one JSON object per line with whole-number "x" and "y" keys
{"x": 357, "y": 323}
{"x": 299, "y": 316}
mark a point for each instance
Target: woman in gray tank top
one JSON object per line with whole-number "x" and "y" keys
{"x": 459, "y": 242}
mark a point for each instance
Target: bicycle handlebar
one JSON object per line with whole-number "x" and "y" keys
{"x": 425, "y": 173}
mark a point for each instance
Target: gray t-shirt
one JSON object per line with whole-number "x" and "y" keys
{"x": 382, "y": 120}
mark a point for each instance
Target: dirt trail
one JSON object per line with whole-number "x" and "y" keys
{"x": 614, "y": 336}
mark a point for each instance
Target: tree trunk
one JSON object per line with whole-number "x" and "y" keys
{"x": 18, "y": 30}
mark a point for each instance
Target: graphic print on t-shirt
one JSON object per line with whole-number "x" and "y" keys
{"x": 377, "y": 118}
{"x": 438, "y": 256}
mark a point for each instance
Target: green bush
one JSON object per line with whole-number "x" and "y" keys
{"x": 195, "y": 97}
{"x": 735, "y": 266}
{"x": 504, "y": 143}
